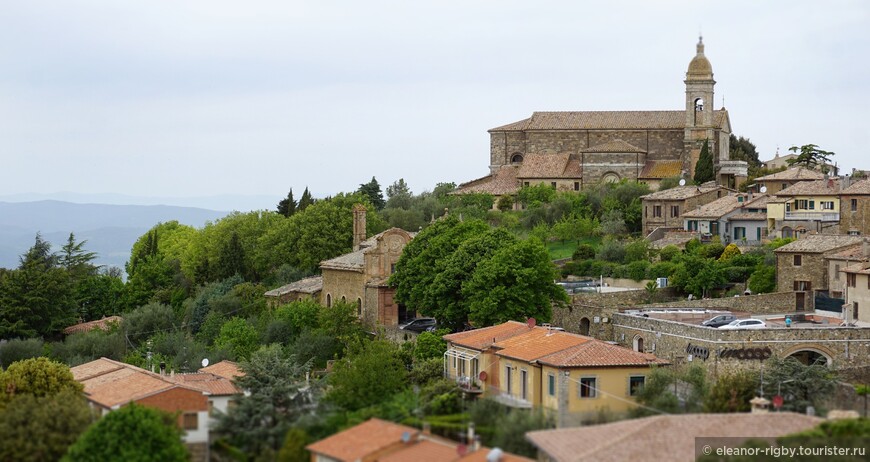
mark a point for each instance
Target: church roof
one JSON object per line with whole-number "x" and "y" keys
{"x": 549, "y": 166}
{"x": 700, "y": 67}
{"x": 614, "y": 146}
{"x": 503, "y": 181}
{"x": 607, "y": 120}
{"x": 658, "y": 169}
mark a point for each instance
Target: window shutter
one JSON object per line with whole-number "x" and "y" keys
{"x": 812, "y": 205}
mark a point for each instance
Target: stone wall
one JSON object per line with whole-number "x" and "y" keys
{"x": 338, "y": 284}
{"x": 813, "y": 268}
{"x": 779, "y": 302}
{"x": 844, "y": 346}
{"x": 854, "y": 220}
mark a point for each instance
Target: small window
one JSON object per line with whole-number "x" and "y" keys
{"x": 850, "y": 279}
{"x": 328, "y": 300}
{"x": 836, "y": 272}
{"x": 588, "y": 387}
{"x": 524, "y": 387}
{"x": 635, "y": 384}
{"x": 797, "y": 260}
{"x": 359, "y": 307}
{"x": 784, "y": 185}
{"x": 462, "y": 368}
{"x": 551, "y": 384}
{"x": 576, "y": 186}
{"x": 657, "y": 211}
{"x": 854, "y": 204}
{"x": 475, "y": 368}
{"x": 553, "y": 184}
{"x": 392, "y": 268}
{"x": 675, "y": 211}
{"x": 508, "y": 384}
{"x": 854, "y": 232}
{"x": 190, "y": 421}
{"x": 827, "y": 205}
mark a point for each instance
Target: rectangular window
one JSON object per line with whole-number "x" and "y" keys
{"x": 635, "y": 384}
{"x": 455, "y": 365}
{"x": 462, "y": 368}
{"x": 837, "y": 272}
{"x": 797, "y": 260}
{"x": 524, "y": 387}
{"x": 803, "y": 286}
{"x": 392, "y": 268}
{"x": 868, "y": 282}
{"x": 854, "y": 204}
{"x": 526, "y": 184}
{"x": 576, "y": 186}
{"x": 784, "y": 185}
{"x": 854, "y": 232}
{"x": 475, "y": 368}
{"x": 508, "y": 384}
{"x": 675, "y": 211}
{"x": 828, "y": 205}
{"x": 850, "y": 279}
{"x": 588, "y": 387}
{"x": 551, "y": 384}
{"x": 657, "y": 211}
{"x": 190, "y": 421}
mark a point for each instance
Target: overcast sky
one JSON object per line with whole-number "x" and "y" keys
{"x": 197, "y": 98}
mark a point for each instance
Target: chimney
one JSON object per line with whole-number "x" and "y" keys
{"x": 359, "y": 225}
{"x": 162, "y": 368}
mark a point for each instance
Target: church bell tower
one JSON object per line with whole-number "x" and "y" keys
{"x": 699, "y": 109}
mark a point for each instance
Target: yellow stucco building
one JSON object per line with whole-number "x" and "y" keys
{"x": 572, "y": 376}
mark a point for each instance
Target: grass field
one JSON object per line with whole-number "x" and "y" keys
{"x": 559, "y": 250}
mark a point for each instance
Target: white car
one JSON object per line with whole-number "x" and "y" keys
{"x": 745, "y": 324}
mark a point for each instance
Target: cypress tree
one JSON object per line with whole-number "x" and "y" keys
{"x": 704, "y": 167}
{"x": 287, "y": 206}
{"x": 305, "y": 200}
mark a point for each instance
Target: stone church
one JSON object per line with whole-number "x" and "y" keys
{"x": 571, "y": 150}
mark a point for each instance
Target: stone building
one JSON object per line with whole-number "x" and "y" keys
{"x": 736, "y": 217}
{"x": 802, "y": 266}
{"x": 858, "y": 294}
{"x": 613, "y": 145}
{"x": 303, "y": 289}
{"x": 855, "y": 207}
{"x": 776, "y": 182}
{"x": 360, "y": 277}
{"x": 838, "y": 262}
{"x": 665, "y": 209}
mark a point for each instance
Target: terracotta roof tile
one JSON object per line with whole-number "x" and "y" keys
{"x": 103, "y": 324}
{"x": 480, "y": 456}
{"x": 851, "y": 253}
{"x": 717, "y": 208}
{"x": 596, "y": 353}
{"x": 857, "y": 188}
{"x": 818, "y": 243}
{"x": 830, "y": 187}
{"x": 618, "y": 146}
{"x": 306, "y": 286}
{"x": 548, "y": 166}
{"x": 225, "y": 369}
{"x": 681, "y": 192}
{"x": 361, "y": 440}
{"x": 483, "y": 338}
{"x": 658, "y": 169}
{"x": 793, "y": 174}
{"x": 429, "y": 450}
{"x": 749, "y": 216}
{"x": 210, "y": 383}
{"x": 665, "y": 437}
{"x": 111, "y": 383}
{"x": 604, "y": 120}
{"x": 504, "y": 181}
{"x": 537, "y": 343}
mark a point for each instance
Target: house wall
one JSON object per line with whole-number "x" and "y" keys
{"x": 753, "y": 229}
{"x": 183, "y": 400}
{"x": 859, "y": 294}
{"x": 858, "y": 220}
{"x": 650, "y": 222}
{"x": 613, "y": 392}
{"x": 813, "y": 268}
{"x": 342, "y": 283}
{"x": 487, "y": 362}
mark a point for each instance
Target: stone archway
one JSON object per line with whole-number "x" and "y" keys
{"x": 584, "y": 326}
{"x": 809, "y": 354}
{"x": 637, "y": 343}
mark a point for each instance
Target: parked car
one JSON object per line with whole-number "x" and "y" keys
{"x": 745, "y": 324}
{"x": 420, "y": 325}
{"x": 720, "y": 320}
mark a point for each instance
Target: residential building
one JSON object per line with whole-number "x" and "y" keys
{"x": 594, "y": 146}
{"x": 377, "y": 440}
{"x": 857, "y": 306}
{"x": 802, "y": 265}
{"x": 736, "y": 217}
{"x": 109, "y": 385}
{"x": 303, "y": 289}
{"x": 805, "y": 206}
{"x": 103, "y": 324}
{"x": 665, "y": 209}
{"x": 360, "y": 277}
{"x": 776, "y": 182}
{"x": 663, "y": 437}
{"x": 572, "y": 376}
{"x": 855, "y": 207}
{"x": 226, "y": 369}
{"x": 839, "y": 261}
{"x": 221, "y": 391}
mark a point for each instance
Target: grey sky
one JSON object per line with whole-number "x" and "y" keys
{"x": 195, "y": 98}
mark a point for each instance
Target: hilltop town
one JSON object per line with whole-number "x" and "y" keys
{"x": 640, "y": 279}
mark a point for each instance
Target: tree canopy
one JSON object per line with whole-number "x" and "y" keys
{"x": 811, "y": 156}
{"x": 704, "y": 168}
{"x": 372, "y": 190}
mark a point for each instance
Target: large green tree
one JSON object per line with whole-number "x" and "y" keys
{"x": 36, "y": 377}
{"x": 704, "y": 168}
{"x": 43, "y": 428}
{"x": 305, "y": 201}
{"x": 287, "y": 206}
{"x": 811, "y": 156}
{"x": 515, "y": 284}
{"x": 370, "y": 375}
{"x": 132, "y": 433}
{"x": 239, "y": 338}
{"x": 372, "y": 190}
{"x": 743, "y": 149}
{"x": 278, "y": 393}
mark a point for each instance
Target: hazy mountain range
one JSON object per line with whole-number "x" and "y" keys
{"x": 110, "y": 229}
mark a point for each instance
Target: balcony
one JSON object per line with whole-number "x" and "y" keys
{"x": 468, "y": 384}
{"x": 812, "y": 216}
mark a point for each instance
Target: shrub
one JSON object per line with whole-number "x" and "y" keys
{"x": 712, "y": 250}
{"x": 611, "y": 250}
{"x": 584, "y": 252}
{"x": 636, "y": 250}
{"x": 19, "y": 349}
{"x": 763, "y": 280}
{"x": 669, "y": 252}
{"x": 637, "y": 269}
{"x": 730, "y": 252}
{"x": 663, "y": 269}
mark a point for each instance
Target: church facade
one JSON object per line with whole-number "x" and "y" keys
{"x": 570, "y": 150}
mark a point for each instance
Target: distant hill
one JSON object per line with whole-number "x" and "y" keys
{"x": 110, "y": 230}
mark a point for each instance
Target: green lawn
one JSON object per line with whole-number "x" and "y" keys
{"x": 559, "y": 250}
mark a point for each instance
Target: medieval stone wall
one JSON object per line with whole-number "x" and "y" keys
{"x": 859, "y": 220}
{"x": 338, "y": 284}
{"x": 775, "y": 303}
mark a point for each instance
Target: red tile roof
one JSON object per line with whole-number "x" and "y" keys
{"x": 104, "y": 324}
{"x": 503, "y": 181}
{"x": 599, "y": 354}
{"x": 424, "y": 451}
{"x": 549, "y": 166}
{"x": 658, "y": 169}
{"x": 361, "y": 440}
{"x": 607, "y": 120}
{"x": 111, "y": 383}
{"x": 209, "y": 383}
{"x": 225, "y": 369}
{"x": 481, "y": 339}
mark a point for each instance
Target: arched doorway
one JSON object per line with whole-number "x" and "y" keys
{"x": 810, "y": 356}
{"x": 584, "y": 326}
{"x": 637, "y": 343}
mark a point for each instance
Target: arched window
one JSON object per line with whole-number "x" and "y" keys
{"x": 699, "y": 108}
{"x": 610, "y": 177}
{"x": 343, "y": 300}
{"x": 638, "y": 343}
{"x": 517, "y": 158}
{"x": 359, "y": 307}
{"x": 328, "y": 300}
{"x": 584, "y": 326}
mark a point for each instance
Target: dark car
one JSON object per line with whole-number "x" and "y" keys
{"x": 420, "y": 325}
{"x": 719, "y": 321}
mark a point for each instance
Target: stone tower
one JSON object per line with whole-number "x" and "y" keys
{"x": 359, "y": 225}
{"x": 699, "y": 109}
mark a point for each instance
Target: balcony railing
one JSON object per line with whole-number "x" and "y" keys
{"x": 812, "y": 216}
